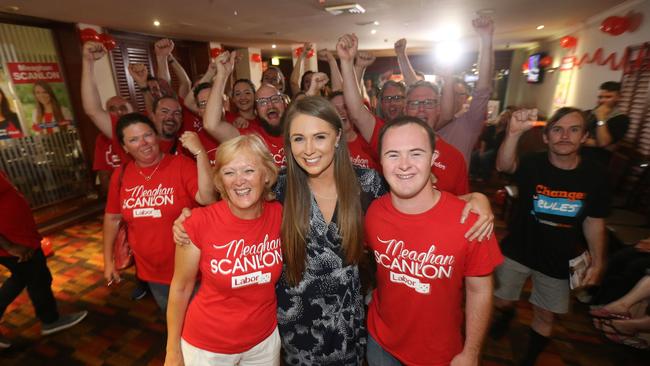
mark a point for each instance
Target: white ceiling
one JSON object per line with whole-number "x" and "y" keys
{"x": 260, "y": 23}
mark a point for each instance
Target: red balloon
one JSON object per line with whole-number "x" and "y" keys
{"x": 256, "y": 57}
{"x": 215, "y": 52}
{"x": 298, "y": 51}
{"x": 88, "y": 34}
{"x": 568, "y": 42}
{"x": 619, "y": 26}
{"x": 108, "y": 41}
{"x": 546, "y": 61}
{"x": 524, "y": 66}
{"x": 607, "y": 24}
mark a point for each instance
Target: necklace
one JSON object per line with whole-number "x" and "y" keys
{"x": 148, "y": 177}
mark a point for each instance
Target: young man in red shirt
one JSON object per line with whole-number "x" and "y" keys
{"x": 20, "y": 252}
{"x": 424, "y": 261}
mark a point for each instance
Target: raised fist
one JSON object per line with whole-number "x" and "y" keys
{"x": 93, "y": 51}
{"x": 400, "y": 46}
{"x": 139, "y": 73}
{"x": 347, "y": 46}
{"x": 164, "y": 47}
{"x": 521, "y": 121}
{"x": 365, "y": 59}
{"x": 483, "y": 25}
{"x": 323, "y": 54}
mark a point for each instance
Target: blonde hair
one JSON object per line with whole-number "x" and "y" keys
{"x": 233, "y": 147}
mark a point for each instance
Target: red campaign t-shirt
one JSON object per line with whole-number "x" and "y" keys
{"x": 17, "y": 223}
{"x": 116, "y": 146}
{"x": 241, "y": 261}
{"x": 231, "y": 117}
{"x": 449, "y": 165}
{"x": 105, "y": 158}
{"x": 150, "y": 208}
{"x": 361, "y": 154}
{"x": 274, "y": 143}
{"x": 416, "y": 311}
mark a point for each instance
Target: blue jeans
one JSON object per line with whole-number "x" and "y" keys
{"x": 160, "y": 293}
{"x": 377, "y": 356}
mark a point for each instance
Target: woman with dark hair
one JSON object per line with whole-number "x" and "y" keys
{"x": 9, "y": 125}
{"x": 49, "y": 113}
{"x": 242, "y": 97}
{"x": 236, "y": 246}
{"x": 320, "y": 301}
{"x": 148, "y": 193}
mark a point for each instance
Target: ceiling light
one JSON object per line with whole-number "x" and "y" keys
{"x": 273, "y": 46}
{"x": 156, "y": 23}
{"x": 376, "y": 22}
{"x": 347, "y": 8}
{"x": 275, "y": 61}
{"x": 540, "y": 27}
{"x": 447, "y": 52}
{"x": 235, "y": 13}
{"x": 373, "y": 31}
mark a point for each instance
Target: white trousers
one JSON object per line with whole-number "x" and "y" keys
{"x": 265, "y": 353}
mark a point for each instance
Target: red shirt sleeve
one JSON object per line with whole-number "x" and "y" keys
{"x": 193, "y": 226}
{"x": 374, "y": 140}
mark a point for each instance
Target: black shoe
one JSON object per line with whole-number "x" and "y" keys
{"x": 64, "y": 322}
{"x": 501, "y": 323}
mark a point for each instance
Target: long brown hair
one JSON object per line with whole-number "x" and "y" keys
{"x": 40, "y": 108}
{"x": 297, "y": 201}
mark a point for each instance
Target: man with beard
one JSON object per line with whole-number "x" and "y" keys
{"x": 563, "y": 200}
{"x": 269, "y": 103}
{"x": 422, "y": 98}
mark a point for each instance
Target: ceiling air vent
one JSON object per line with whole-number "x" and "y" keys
{"x": 347, "y": 8}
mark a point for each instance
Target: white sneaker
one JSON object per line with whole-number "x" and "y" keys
{"x": 64, "y": 322}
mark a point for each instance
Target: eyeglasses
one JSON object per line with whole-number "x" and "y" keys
{"x": 392, "y": 98}
{"x": 268, "y": 100}
{"x": 427, "y": 104}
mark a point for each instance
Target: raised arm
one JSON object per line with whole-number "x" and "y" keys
{"x": 212, "y": 122}
{"x": 520, "y": 122}
{"x": 189, "y": 100}
{"x": 186, "y": 266}
{"x": 206, "y": 193}
{"x": 165, "y": 58}
{"x": 139, "y": 73}
{"x": 484, "y": 27}
{"x": 346, "y": 48}
{"x": 478, "y": 307}
{"x": 404, "y": 64}
{"x": 90, "y": 99}
{"x": 335, "y": 73}
{"x": 299, "y": 68}
{"x": 446, "y": 95}
{"x": 364, "y": 59}
{"x": 596, "y": 235}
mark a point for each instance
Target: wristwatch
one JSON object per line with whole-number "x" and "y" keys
{"x": 600, "y": 123}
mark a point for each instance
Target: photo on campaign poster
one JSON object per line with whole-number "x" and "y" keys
{"x": 10, "y": 127}
{"x": 43, "y": 96}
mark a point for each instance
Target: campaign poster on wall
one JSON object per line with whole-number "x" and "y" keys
{"x": 10, "y": 126}
{"x": 43, "y": 96}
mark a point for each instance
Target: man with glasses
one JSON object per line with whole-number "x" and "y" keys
{"x": 422, "y": 101}
{"x": 392, "y": 100}
{"x": 269, "y": 103}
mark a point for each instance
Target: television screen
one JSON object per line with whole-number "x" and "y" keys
{"x": 535, "y": 71}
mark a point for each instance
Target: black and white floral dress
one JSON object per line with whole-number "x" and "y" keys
{"x": 321, "y": 321}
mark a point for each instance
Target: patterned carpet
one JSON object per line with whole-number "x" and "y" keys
{"x": 120, "y": 331}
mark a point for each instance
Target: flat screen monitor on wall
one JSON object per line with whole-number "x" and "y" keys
{"x": 535, "y": 70}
